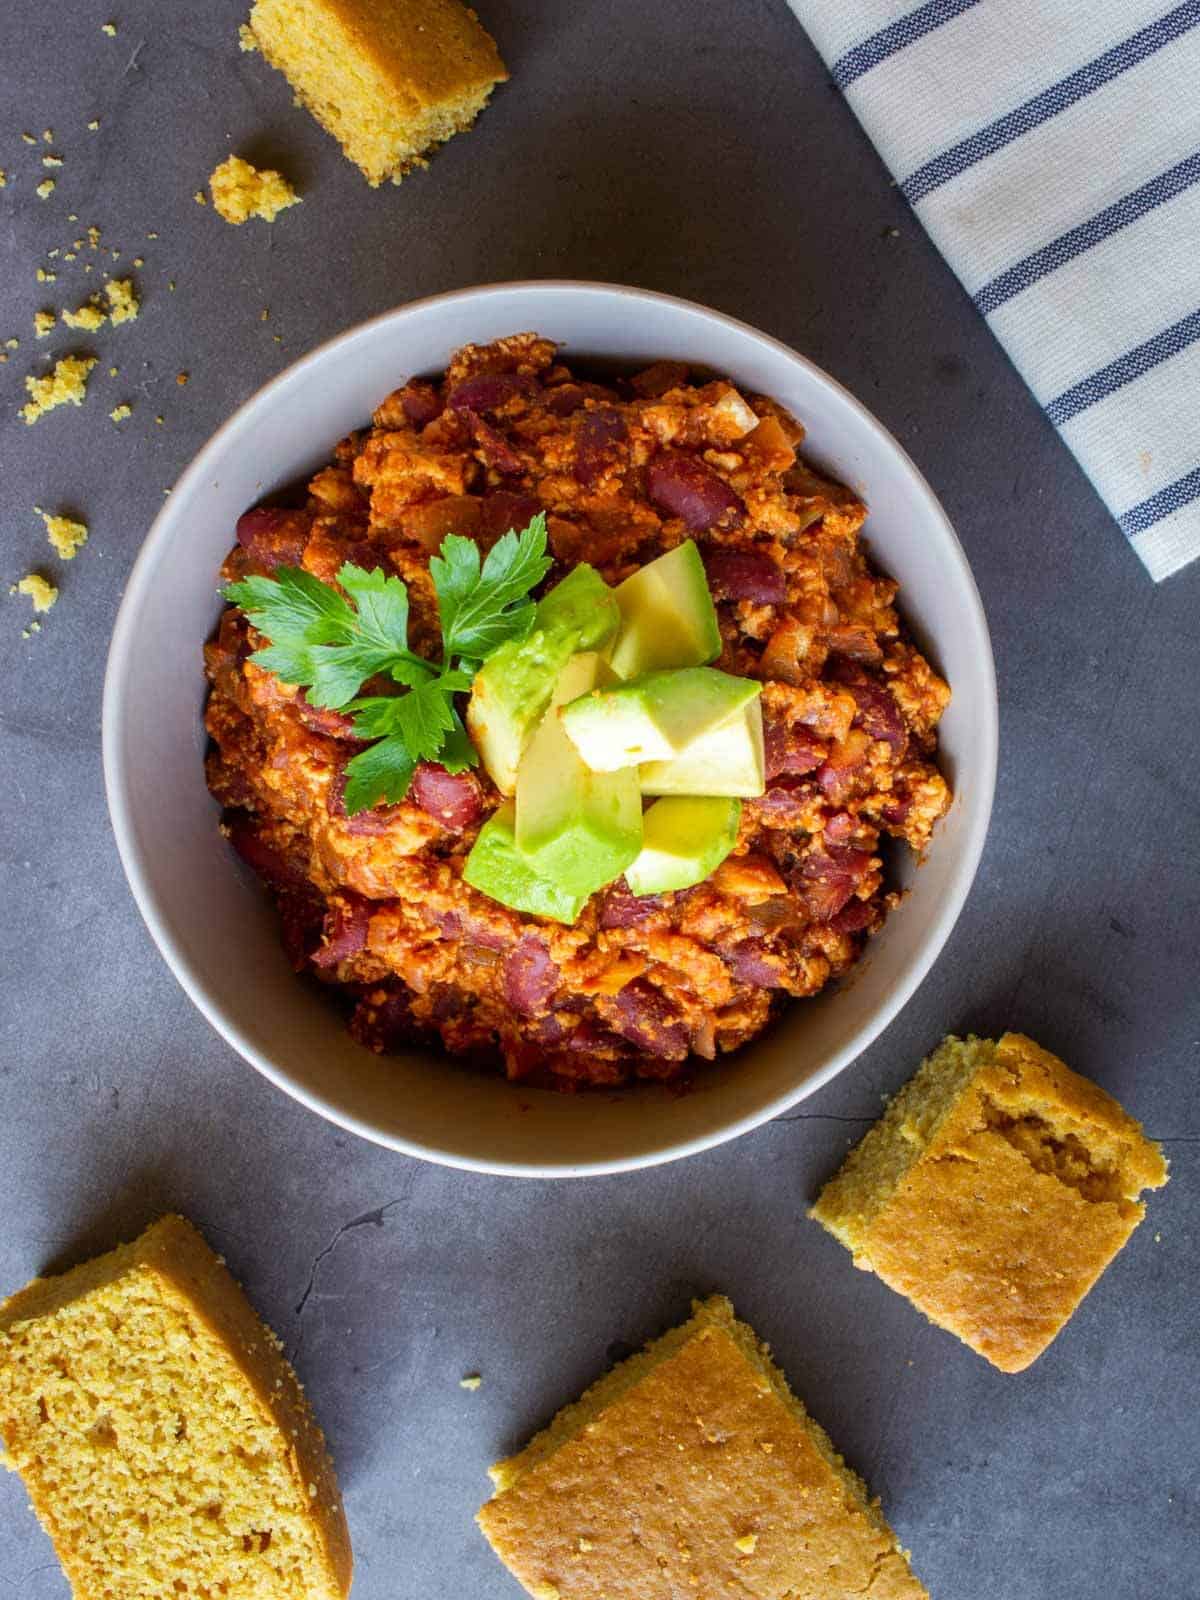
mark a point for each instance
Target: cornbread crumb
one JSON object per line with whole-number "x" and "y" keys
{"x": 12, "y": 344}
{"x": 93, "y": 124}
{"x": 123, "y": 302}
{"x": 46, "y": 277}
{"x": 246, "y": 40}
{"x": 67, "y": 535}
{"x": 181, "y": 379}
{"x": 28, "y": 138}
{"x": 93, "y": 234}
{"x": 387, "y": 78}
{"x": 471, "y": 1381}
{"x": 48, "y": 135}
{"x": 52, "y": 161}
{"x": 3, "y": 178}
{"x": 109, "y": 28}
{"x": 993, "y": 1193}
{"x": 120, "y": 413}
{"x": 113, "y": 371}
{"x": 240, "y": 191}
{"x": 89, "y": 316}
{"x": 668, "y": 1444}
{"x": 43, "y": 323}
{"x": 40, "y": 590}
{"x": 45, "y": 189}
{"x": 200, "y": 197}
{"x": 139, "y": 261}
{"x": 66, "y": 385}
{"x": 143, "y": 1383}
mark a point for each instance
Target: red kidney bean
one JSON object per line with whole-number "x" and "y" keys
{"x": 421, "y": 402}
{"x": 854, "y": 917}
{"x": 488, "y": 391}
{"x": 795, "y": 750}
{"x": 686, "y": 487}
{"x": 877, "y": 713}
{"x": 748, "y": 961}
{"x": 657, "y": 379}
{"x": 620, "y": 909}
{"x": 501, "y": 510}
{"x": 276, "y": 869}
{"x": 346, "y": 924}
{"x": 649, "y": 1020}
{"x": 333, "y": 724}
{"x": 744, "y": 575}
{"x": 455, "y": 799}
{"x": 493, "y": 446}
{"x": 599, "y": 432}
{"x": 273, "y": 537}
{"x": 530, "y": 976}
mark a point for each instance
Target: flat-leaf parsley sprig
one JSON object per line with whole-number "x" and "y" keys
{"x": 330, "y": 643}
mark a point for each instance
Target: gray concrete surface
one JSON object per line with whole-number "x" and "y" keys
{"x": 703, "y": 153}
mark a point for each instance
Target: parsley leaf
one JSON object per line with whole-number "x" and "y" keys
{"x": 482, "y": 607}
{"x": 331, "y": 643}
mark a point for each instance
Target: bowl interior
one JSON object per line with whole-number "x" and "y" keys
{"x": 209, "y": 916}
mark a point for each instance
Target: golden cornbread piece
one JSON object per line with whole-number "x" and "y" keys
{"x": 388, "y": 78}
{"x": 66, "y": 385}
{"x": 241, "y": 191}
{"x": 165, "y": 1442}
{"x": 40, "y": 590}
{"x": 993, "y": 1193}
{"x": 691, "y": 1469}
{"x": 66, "y": 534}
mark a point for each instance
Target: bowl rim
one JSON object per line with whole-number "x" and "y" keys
{"x": 124, "y": 642}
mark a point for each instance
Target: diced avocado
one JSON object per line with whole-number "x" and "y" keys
{"x": 685, "y": 839}
{"x": 512, "y": 689}
{"x": 498, "y": 869}
{"x": 577, "y": 827}
{"x": 509, "y": 698}
{"x": 727, "y": 760}
{"x": 583, "y": 604}
{"x": 667, "y": 616}
{"x": 655, "y": 717}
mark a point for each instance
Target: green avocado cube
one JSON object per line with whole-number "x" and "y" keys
{"x": 667, "y": 616}
{"x": 728, "y": 760}
{"x": 498, "y": 869}
{"x": 685, "y": 839}
{"x": 579, "y": 828}
{"x": 655, "y": 717}
{"x": 513, "y": 687}
{"x": 582, "y": 604}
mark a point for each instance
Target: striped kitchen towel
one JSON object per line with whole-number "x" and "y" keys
{"x": 1051, "y": 148}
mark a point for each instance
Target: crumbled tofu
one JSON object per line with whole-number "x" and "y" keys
{"x": 471, "y": 1381}
{"x": 123, "y": 302}
{"x": 240, "y": 191}
{"x": 89, "y": 316}
{"x": 585, "y": 1545}
{"x": 66, "y": 385}
{"x": 66, "y": 534}
{"x": 120, "y": 413}
{"x": 39, "y": 589}
{"x": 45, "y": 189}
{"x": 746, "y": 1545}
{"x": 43, "y": 323}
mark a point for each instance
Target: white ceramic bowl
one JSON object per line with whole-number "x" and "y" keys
{"x": 210, "y": 918}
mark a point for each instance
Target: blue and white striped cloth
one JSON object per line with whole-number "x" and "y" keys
{"x": 1051, "y": 148}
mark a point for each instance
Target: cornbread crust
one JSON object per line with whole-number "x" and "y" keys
{"x": 691, "y": 1469}
{"x": 75, "y": 1383}
{"x": 387, "y": 78}
{"x": 993, "y": 1193}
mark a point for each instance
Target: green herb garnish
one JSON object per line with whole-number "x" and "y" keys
{"x": 330, "y": 645}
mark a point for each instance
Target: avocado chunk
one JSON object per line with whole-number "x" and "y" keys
{"x": 512, "y": 689}
{"x": 655, "y": 717}
{"x": 577, "y": 827}
{"x": 498, "y": 869}
{"x": 583, "y": 604}
{"x": 667, "y": 616}
{"x": 685, "y": 838}
{"x": 728, "y": 760}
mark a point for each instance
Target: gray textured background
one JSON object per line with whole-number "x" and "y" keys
{"x": 699, "y": 151}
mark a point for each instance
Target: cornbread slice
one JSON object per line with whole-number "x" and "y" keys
{"x": 241, "y": 191}
{"x": 993, "y": 1193}
{"x": 388, "y": 78}
{"x": 691, "y": 1468}
{"x": 164, "y": 1441}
